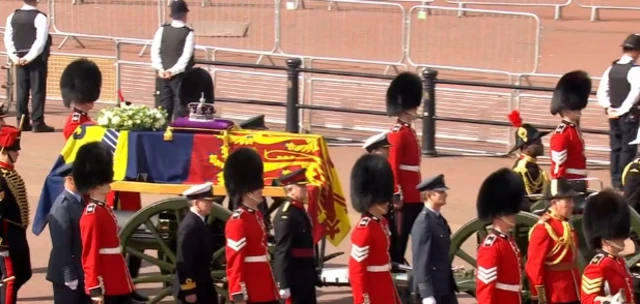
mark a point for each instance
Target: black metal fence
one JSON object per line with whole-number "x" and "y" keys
{"x": 430, "y": 79}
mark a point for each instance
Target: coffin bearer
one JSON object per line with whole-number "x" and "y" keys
{"x": 404, "y": 96}
{"x": 294, "y": 265}
{"x": 552, "y": 258}
{"x": 15, "y": 261}
{"x": 528, "y": 141}
{"x": 606, "y": 224}
{"x": 28, "y": 43}
{"x": 369, "y": 261}
{"x": 195, "y": 249}
{"x": 65, "y": 264}
{"x": 248, "y": 269}
{"x": 499, "y": 260}
{"x": 107, "y": 278}
{"x": 378, "y": 144}
{"x": 431, "y": 239}
{"x": 618, "y": 94}
{"x": 567, "y": 147}
{"x": 172, "y": 54}
{"x": 80, "y": 85}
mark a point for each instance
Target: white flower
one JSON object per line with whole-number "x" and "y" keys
{"x": 115, "y": 120}
{"x": 103, "y": 120}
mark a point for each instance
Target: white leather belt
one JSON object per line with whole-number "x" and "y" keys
{"x": 508, "y": 287}
{"x": 380, "y": 268}
{"x": 116, "y": 250}
{"x": 410, "y": 168}
{"x": 582, "y": 172}
{"x": 256, "y": 259}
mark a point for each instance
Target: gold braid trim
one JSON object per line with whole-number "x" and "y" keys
{"x": 562, "y": 244}
{"x": 532, "y": 186}
{"x": 19, "y": 191}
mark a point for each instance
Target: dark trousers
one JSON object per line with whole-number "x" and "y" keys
{"x": 64, "y": 295}
{"x": 394, "y": 240}
{"x": 31, "y": 78}
{"x": 169, "y": 97}
{"x": 125, "y": 299}
{"x": 621, "y": 131}
{"x": 448, "y": 299}
{"x": 409, "y": 213}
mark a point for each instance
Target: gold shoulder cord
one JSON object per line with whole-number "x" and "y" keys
{"x": 531, "y": 186}
{"x": 561, "y": 243}
{"x": 19, "y": 191}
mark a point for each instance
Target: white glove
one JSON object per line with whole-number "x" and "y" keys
{"x": 4, "y": 253}
{"x": 73, "y": 285}
{"x": 285, "y": 293}
{"x": 429, "y": 300}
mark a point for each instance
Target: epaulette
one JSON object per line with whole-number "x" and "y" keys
{"x": 91, "y": 208}
{"x": 560, "y": 128}
{"x": 75, "y": 117}
{"x": 597, "y": 259}
{"x": 396, "y": 127}
{"x": 236, "y": 214}
{"x": 364, "y": 222}
{"x": 488, "y": 242}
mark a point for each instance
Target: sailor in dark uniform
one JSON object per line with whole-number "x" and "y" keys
{"x": 27, "y": 41}
{"x": 528, "y": 141}
{"x": 171, "y": 55}
{"x": 195, "y": 249}
{"x": 294, "y": 265}
{"x": 618, "y": 94}
{"x": 431, "y": 235}
{"x": 65, "y": 264}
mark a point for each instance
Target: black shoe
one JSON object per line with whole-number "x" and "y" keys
{"x": 26, "y": 128}
{"x": 42, "y": 128}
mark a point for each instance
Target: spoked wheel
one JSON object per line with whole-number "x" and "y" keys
{"x": 155, "y": 228}
{"x": 466, "y": 279}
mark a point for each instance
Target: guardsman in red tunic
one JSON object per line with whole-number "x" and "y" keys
{"x": 248, "y": 270}
{"x": 80, "y": 84}
{"x": 106, "y": 276}
{"x": 15, "y": 260}
{"x": 498, "y": 276}
{"x": 606, "y": 225}
{"x": 404, "y": 96}
{"x": 369, "y": 261}
{"x": 568, "y": 158}
{"x": 552, "y": 256}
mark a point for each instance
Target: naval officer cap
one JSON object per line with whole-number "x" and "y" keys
{"x": 202, "y": 191}
{"x": 298, "y": 177}
{"x": 435, "y": 183}
{"x": 376, "y": 142}
{"x": 65, "y": 170}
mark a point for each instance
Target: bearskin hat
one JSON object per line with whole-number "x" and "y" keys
{"x": 93, "y": 166}
{"x": 502, "y": 193}
{"x": 571, "y": 92}
{"x": 195, "y": 84}
{"x": 404, "y": 93}
{"x": 243, "y": 173}
{"x": 81, "y": 82}
{"x": 606, "y": 216}
{"x": 371, "y": 182}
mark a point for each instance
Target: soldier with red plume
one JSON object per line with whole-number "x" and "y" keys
{"x": 369, "y": 261}
{"x": 498, "y": 278}
{"x": 404, "y": 96}
{"x": 567, "y": 146}
{"x": 606, "y": 224}
{"x": 528, "y": 140}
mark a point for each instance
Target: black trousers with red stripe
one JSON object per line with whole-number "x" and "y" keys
{"x": 15, "y": 268}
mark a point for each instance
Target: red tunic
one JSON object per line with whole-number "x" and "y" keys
{"x": 606, "y": 275}
{"x": 248, "y": 269}
{"x": 405, "y": 157}
{"x": 78, "y": 117}
{"x": 567, "y": 152}
{"x": 552, "y": 261}
{"x": 369, "y": 263}
{"x": 105, "y": 271}
{"x": 499, "y": 263}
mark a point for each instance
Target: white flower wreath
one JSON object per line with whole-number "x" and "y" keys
{"x": 132, "y": 117}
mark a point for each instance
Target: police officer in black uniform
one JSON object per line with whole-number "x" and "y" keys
{"x": 294, "y": 265}
{"x": 195, "y": 249}
{"x": 28, "y": 44}
{"x": 431, "y": 238}
{"x": 171, "y": 55}
{"x": 618, "y": 94}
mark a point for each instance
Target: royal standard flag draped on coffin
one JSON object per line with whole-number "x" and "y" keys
{"x": 192, "y": 158}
